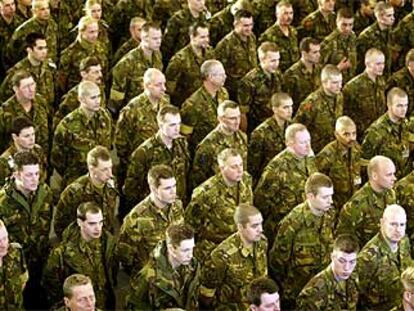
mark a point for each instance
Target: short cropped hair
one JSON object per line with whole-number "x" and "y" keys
{"x": 88, "y": 62}
{"x": 346, "y": 243}
{"x": 330, "y": 71}
{"x": 137, "y": 20}
{"x": 224, "y": 105}
{"x": 409, "y": 57}
{"x": 375, "y": 163}
{"x": 98, "y": 153}
{"x": 149, "y": 75}
{"x": 395, "y": 92}
{"x": 381, "y": 7}
{"x": 243, "y": 213}
{"x": 85, "y": 21}
{"x": 266, "y": 47}
{"x": 32, "y": 38}
{"x": 23, "y": 158}
{"x": 207, "y": 68}
{"x": 344, "y": 13}
{"x": 85, "y": 88}
{"x": 158, "y": 172}
{"x": 20, "y": 75}
{"x": 242, "y": 14}
{"x": 167, "y": 109}
{"x": 317, "y": 181}
{"x": 283, "y": 4}
{"x": 258, "y": 287}
{"x": 193, "y": 29}
{"x": 278, "y": 98}
{"x": 407, "y": 279}
{"x": 292, "y": 130}
{"x": 372, "y": 52}
{"x": 87, "y": 207}
{"x": 225, "y": 154}
{"x": 72, "y": 281}
{"x": 344, "y": 121}
{"x": 306, "y": 42}
{"x": 176, "y": 233}
{"x": 150, "y": 25}
{"x": 20, "y": 123}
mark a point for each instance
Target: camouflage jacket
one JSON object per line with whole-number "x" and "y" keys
{"x": 6, "y": 32}
{"x": 361, "y": 22}
{"x": 317, "y": 26}
{"x": 404, "y": 189}
{"x": 404, "y": 80}
{"x": 403, "y": 35}
{"x": 127, "y": 46}
{"x": 302, "y": 8}
{"x": 221, "y": 24}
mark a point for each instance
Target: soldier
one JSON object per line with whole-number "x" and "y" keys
{"x": 146, "y": 223}
{"x": 302, "y": 8}
{"x": 304, "y": 240}
{"x": 336, "y": 287}
{"x": 25, "y": 102}
{"x": 361, "y": 214}
{"x": 402, "y": 36}
{"x": 389, "y": 134}
{"x": 87, "y": 126}
{"x": 183, "y": 71}
{"x": 404, "y": 189}
{"x": 285, "y": 175}
{"x": 26, "y": 209}
{"x": 86, "y": 248}
{"x": 236, "y": 262}
{"x": 97, "y": 186}
{"x": 78, "y": 294}
{"x": 199, "y": 111}
{"x": 237, "y": 51}
{"x": 127, "y": 74}
{"x": 284, "y": 35}
{"x": 407, "y": 301}
{"x": 23, "y": 10}
{"x": 86, "y": 44}
{"x": 364, "y": 15}
{"x": 319, "y": 23}
{"x": 304, "y": 75}
{"x": 339, "y": 48}
{"x": 213, "y": 203}
{"x": 258, "y": 85}
{"x": 171, "y": 278}
{"x": 15, "y": 274}
{"x": 378, "y": 36}
{"x": 41, "y": 22}
{"x": 364, "y": 95}
{"x": 226, "y": 135}
{"x": 381, "y": 261}
{"x": 322, "y": 107}
{"x": 341, "y": 161}
{"x": 167, "y": 146}
{"x": 263, "y": 294}
{"x": 268, "y": 139}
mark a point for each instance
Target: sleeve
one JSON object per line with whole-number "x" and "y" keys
{"x": 65, "y": 211}
{"x": 304, "y": 114}
{"x": 173, "y": 74}
{"x": 59, "y": 148}
{"x": 312, "y": 297}
{"x": 135, "y": 182}
{"x": 53, "y": 276}
{"x": 139, "y": 294}
{"x": 371, "y": 143}
{"x": 189, "y": 116}
{"x": 170, "y": 37}
{"x": 349, "y": 219}
{"x": 130, "y": 235}
{"x": 197, "y": 209}
{"x": 244, "y": 95}
{"x": 256, "y": 156}
{"x": 122, "y": 140}
{"x": 202, "y": 165}
{"x": 120, "y": 75}
{"x": 264, "y": 194}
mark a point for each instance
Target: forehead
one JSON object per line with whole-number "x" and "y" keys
{"x": 347, "y": 129}
{"x": 31, "y": 168}
{"x": 92, "y": 27}
{"x": 172, "y": 118}
{"x": 104, "y": 164}
{"x": 376, "y": 58}
{"x": 154, "y": 32}
{"x": 323, "y": 191}
{"x": 314, "y": 47}
{"x": 3, "y": 232}
{"x": 345, "y": 256}
{"x": 82, "y": 291}
{"x": 286, "y": 102}
{"x": 6, "y": 2}
{"x": 246, "y": 20}
{"x": 233, "y": 160}
{"x": 41, "y": 43}
{"x": 398, "y": 100}
{"x": 255, "y": 219}
{"x": 94, "y": 68}
{"x": 26, "y": 81}
{"x": 27, "y": 130}
{"x": 93, "y": 217}
{"x": 335, "y": 78}
{"x": 285, "y": 9}
{"x": 157, "y": 78}
{"x": 272, "y": 55}
{"x": 167, "y": 182}
{"x": 268, "y": 298}
{"x": 232, "y": 112}
{"x": 41, "y": 5}
{"x": 397, "y": 216}
{"x": 94, "y": 92}
{"x": 201, "y": 31}
{"x": 96, "y": 6}
{"x": 302, "y": 135}
{"x": 187, "y": 244}
{"x": 345, "y": 20}
{"x": 385, "y": 167}
{"x": 388, "y": 12}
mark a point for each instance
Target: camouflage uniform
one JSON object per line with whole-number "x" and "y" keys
{"x": 335, "y": 47}
{"x": 365, "y": 101}
{"x": 254, "y": 93}
{"x": 211, "y": 211}
{"x": 199, "y": 114}
{"x": 317, "y": 26}
{"x": 288, "y": 45}
{"x": 285, "y": 175}
{"x": 343, "y": 166}
{"x": 6, "y": 32}
{"x": 205, "y": 158}
{"x": 361, "y": 22}
{"x": 183, "y": 73}
{"x": 152, "y": 152}
{"x": 302, "y": 248}
{"x": 229, "y": 270}
{"x": 159, "y": 286}
{"x": 404, "y": 189}
{"x": 266, "y": 141}
{"x": 302, "y": 8}
{"x": 238, "y": 58}
{"x": 361, "y": 215}
{"x": 145, "y": 226}
{"x": 128, "y": 73}
{"x": 404, "y": 80}
{"x": 324, "y": 293}
{"x": 127, "y": 46}
{"x": 221, "y": 24}
{"x": 319, "y": 112}
{"x": 390, "y": 139}
{"x": 263, "y": 14}
{"x": 75, "y": 136}
{"x": 379, "y": 273}
{"x": 403, "y": 36}
{"x": 95, "y": 259}
{"x": 297, "y": 77}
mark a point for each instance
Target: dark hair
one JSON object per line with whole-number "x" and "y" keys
{"x": 176, "y": 233}
{"x": 158, "y": 172}
{"x": 306, "y": 43}
{"x": 20, "y": 123}
{"x": 23, "y": 158}
{"x": 193, "y": 29}
{"x": 346, "y": 243}
{"x": 19, "y": 76}
{"x": 260, "y": 286}
{"x": 242, "y": 14}
{"x": 87, "y": 207}
{"x": 88, "y": 62}
{"x": 32, "y": 38}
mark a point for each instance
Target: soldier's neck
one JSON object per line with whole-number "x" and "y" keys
{"x": 33, "y": 61}
{"x": 199, "y": 51}
{"x": 280, "y": 122}
{"x": 246, "y": 243}
{"x": 393, "y": 118}
{"x": 224, "y": 130}
{"x": 393, "y": 245}
{"x": 316, "y": 212}
{"x": 325, "y": 13}
{"x": 284, "y": 29}
{"x": 159, "y": 204}
{"x": 371, "y": 75}
{"x": 309, "y": 66}
{"x": 166, "y": 140}
{"x": 21, "y": 189}
{"x": 294, "y": 153}
{"x": 211, "y": 89}
{"x": 89, "y": 114}
{"x": 411, "y": 71}
{"x": 194, "y": 13}
{"x": 383, "y": 26}
{"x": 174, "y": 263}
{"x": 26, "y": 104}
{"x": 8, "y": 18}
{"x": 228, "y": 182}
{"x": 407, "y": 306}
{"x": 147, "y": 51}
{"x": 154, "y": 101}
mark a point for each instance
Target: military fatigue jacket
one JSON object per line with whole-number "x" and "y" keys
{"x": 205, "y": 159}
{"x": 365, "y": 101}
{"x": 183, "y": 73}
{"x": 390, "y": 139}
{"x": 324, "y": 293}
{"x": 159, "y": 286}
{"x": 302, "y": 8}
{"x": 75, "y": 136}
{"x": 80, "y": 191}
{"x": 199, "y": 114}
{"x": 96, "y": 259}
{"x": 212, "y": 208}
{"x": 343, "y": 166}
{"x": 336, "y": 47}
{"x": 403, "y": 35}
{"x": 361, "y": 215}
{"x": 221, "y": 24}
{"x": 404, "y": 189}
{"x": 145, "y": 225}
{"x": 127, "y": 46}
{"x": 404, "y": 80}
{"x": 379, "y": 272}
{"x": 229, "y": 269}
{"x": 153, "y": 152}
{"x": 254, "y": 93}
{"x": 302, "y": 248}
{"x": 319, "y": 112}
{"x": 288, "y": 45}
{"x": 285, "y": 175}
{"x": 317, "y": 26}
{"x": 6, "y": 31}
{"x": 266, "y": 141}
{"x": 362, "y": 21}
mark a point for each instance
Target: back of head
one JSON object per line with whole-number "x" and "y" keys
{"x": 306, "y": 42}
{"x": 97, "y": 153}
{"x": 176, "y": 233}
{"x": 346, "y": 243}
{"x": 73, "y": 281}
{"x": 258, "y": 287}
{"x": 243, "y": 213}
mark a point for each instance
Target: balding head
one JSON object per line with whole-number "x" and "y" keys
{"x": 381, "y": 173}
{"x": 393, "y": 223}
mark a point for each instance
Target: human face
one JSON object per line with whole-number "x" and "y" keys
{"x": 95, "y": 11}
{"x": 327, "y": 5}
{"x": 376, "y": 64}
{"x": 345, "y": 26}
{"x": 393, "y": 226}
{"x": 8, "y": 8}
{"x": 28, "y": 177}
{"x": 384, "y": 178}
{"x": 91, "y": 102}
{"x": 252, "y": 231}
{"x": 232, "y": 170}
{"x": 135, "y": 30}
{"x": 153, "y": 39}
{"x": 244, "y": 27}
{"x": 284, "y": 15}
{"x": 368, "y": 10}
{"x": 285, "y": 110}
{"x": 101, "y": 173}
{"x": 314, "y": 54}
{"x": 202, "y": 39}
{"x": 268, "y": 302}
{"x": 39, "y": 51}
{"x": 333, "y": 85}
{"x": 230, "y": 120}
{"x": 398, "y": 109}
{"x": 387, "y": 17}
{"x": 270, "y": 62}
{"x": 196, "y": 5}
{"x": 26, "y": 91}
{"x": 157, "y": 87}
{"x": 217, "y": 76}
{"x": 26, "y": 138}
{"x": 91, "y": 33}
{"x": 170, "y": 127}
{"x": 83, "y": 298}
{"x": 93, "y": 74}
{"x": 322, "y": 201}
{"x": 91, "y": 227}
{"x": 347, "y": 136}
{"x": 166, "y": 192}
{"x": 42, "y": 11}
{"x": 4, "y": 242}
{"x": 301, "y": 144}
{"x": 343, "y": 264}
{"x": 183, "y": 253}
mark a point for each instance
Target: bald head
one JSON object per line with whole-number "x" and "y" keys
{"x": 393, "y": 223}
{"x": 381, "y": 173}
